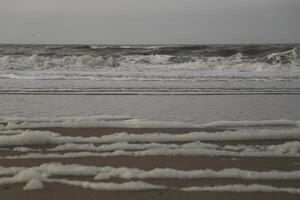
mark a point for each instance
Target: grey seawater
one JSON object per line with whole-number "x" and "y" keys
{"x": 150, "y": 87}
{"x": 196, "y": 83}
{"x": 188, "y": 108}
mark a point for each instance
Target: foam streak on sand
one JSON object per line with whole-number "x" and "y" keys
{"x": 127, "y": 186}
{"x": 130, "y": 122}
{"x": 107, "y": 172}
{"x": 153, "y": 152}
{"x": 29, "y": 137}
{"x": 89, "y": 122}
{"x": 262, "y": 123}
{"x": 242, "y": 188}
{"x": 151, "y": 144}
{"x": 35, "y": 176}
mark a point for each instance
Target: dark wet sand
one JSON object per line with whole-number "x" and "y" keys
{"x": 63, "y": 192}
{"x": 177, "y": 162}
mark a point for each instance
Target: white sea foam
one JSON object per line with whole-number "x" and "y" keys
{"x": 29, "y": 137}
{"x": 127, "y": 173}
{"x": 28, "y": 175}
{"x": 149, "y": 144}
{"x": 241, "y": 188}
{"x": 127, "y": 186}
{"x": 156, "y": 60}
{"x": 4, "y": 171}
{"x": 157, "y": 152}
{"x": 269, "y": 123}
{"x": 89, "y": 122}
{"x": 35, "y": 176}
{"x": 48, "y": 170}
{"x": 130, "y": 122}
{"x": 34, "y": 184}
{"x": 44, "y": 62}
{"x": 8, "y": 131}
{"x": 143, "y": 67}
{"x": 124, "y": 146}
{"x": 243, "y": 134}
{"x": 283, "y": 57}
{"x": 287, "y": 147}
{"x": 23, "y": 149}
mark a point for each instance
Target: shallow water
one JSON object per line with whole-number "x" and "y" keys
{"x": 195, "y": 108}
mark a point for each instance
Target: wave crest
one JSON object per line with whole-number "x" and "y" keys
{"x": 91, "y": 61}
{"x": 282, "y": 57}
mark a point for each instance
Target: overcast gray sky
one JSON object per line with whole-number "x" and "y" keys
{"x": 149, "y": 21}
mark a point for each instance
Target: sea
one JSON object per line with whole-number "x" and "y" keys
{"x": 186, "y": 83}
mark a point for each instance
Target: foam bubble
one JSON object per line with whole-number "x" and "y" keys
{"x": 34, "y": 184}
{"x": 45, "y": 137}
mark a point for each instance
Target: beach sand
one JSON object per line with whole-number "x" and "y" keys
{"x": 67, "y": 192}
{"x": 62, "y": 192}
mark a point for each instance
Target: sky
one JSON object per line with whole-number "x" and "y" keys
{"x": 149, "y": 21}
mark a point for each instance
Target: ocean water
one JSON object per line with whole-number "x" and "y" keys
{"x": 190, "y": 83}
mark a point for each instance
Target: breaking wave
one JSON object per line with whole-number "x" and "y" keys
{"x": 93, "y": 62}
{"x": 142, "y": 62}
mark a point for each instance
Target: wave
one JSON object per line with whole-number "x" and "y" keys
{"x": 283, "y": 57}
{"x": 12, "y": 62}
{"x": 145, "y": 68}
{"x": 261, "y": 50}
{"x": 73, "y": 62}
{"x": 143, "y": 63}
{"x": 45, "y": 62}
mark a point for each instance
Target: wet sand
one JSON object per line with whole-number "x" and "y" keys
{"x": 177, "y": 162}
{"x": 66, "y": 192}
{"x": 63, "y": 192}
{"x": 88, "y": 132}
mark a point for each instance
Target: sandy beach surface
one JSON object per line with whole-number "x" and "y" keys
{"x": 61, "y": 192}
{"x": 173, "y": 187}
